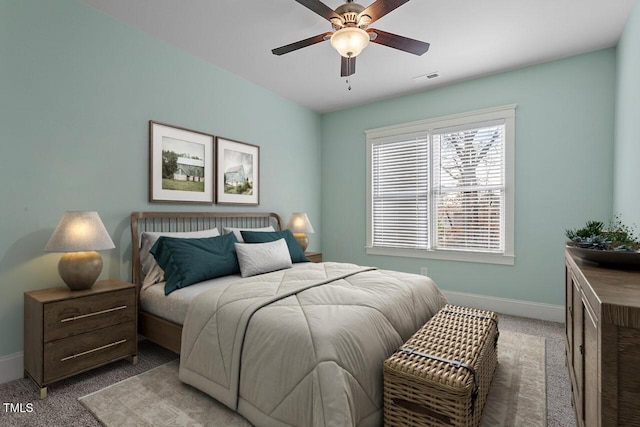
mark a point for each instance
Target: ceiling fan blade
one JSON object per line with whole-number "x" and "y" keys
{"x": 380, "y": 8}
{"x": 347, "y": 66}
{"x": 321, "y": 9}
{"x": 399, "y": 42}
{"x": 300, "y": 44}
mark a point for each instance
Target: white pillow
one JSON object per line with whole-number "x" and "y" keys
{"x": 236, "y": 231}
{"x": 257, "y": 258}
{"x": 151, "y": 271}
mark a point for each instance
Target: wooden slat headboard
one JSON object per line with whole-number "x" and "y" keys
{"x": 191, "y": 221}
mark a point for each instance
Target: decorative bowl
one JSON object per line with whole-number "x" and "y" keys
{"x": 613, "y": 258}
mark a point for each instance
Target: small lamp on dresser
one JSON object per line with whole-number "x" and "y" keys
{"x": 300, "y": 225}
{"x": 80, "y": 234}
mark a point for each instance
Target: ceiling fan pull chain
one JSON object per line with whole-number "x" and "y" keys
{"x": 349, "y": 73}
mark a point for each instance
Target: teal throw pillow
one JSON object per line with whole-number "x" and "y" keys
{"x": 189, "y": 261}
{"x": 296, "y": 252}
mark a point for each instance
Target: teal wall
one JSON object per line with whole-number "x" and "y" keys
{"x": 78, "y": 88}
{"x": 77, "y": 91}
{"x": 627, "y": 127}
{"x": 564, "y": 161}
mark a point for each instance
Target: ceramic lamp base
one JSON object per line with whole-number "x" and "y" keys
{"x": 80, "y": 270}
{"x": 302, "y": 239}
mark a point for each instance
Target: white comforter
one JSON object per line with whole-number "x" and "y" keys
{"x": 305, "y": 346}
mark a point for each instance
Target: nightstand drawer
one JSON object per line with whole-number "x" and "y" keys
{"x": 75, "y": 316}
{"x": 78, "y": 353}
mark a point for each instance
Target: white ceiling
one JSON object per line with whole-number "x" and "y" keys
{"x": 469, "y": 38}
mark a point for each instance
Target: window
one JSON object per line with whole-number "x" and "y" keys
{"x": 443, "y": 188}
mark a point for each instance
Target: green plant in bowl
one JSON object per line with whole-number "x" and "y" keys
{"x": 616, "y": 237}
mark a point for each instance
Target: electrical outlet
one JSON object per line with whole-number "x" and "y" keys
{"x": 423, "y": 271}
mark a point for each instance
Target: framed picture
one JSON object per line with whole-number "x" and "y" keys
{"x": 181, "y": 165}
{"x": 238, "y": 172}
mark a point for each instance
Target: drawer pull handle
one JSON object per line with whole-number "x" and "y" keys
{"x": 95, "y": 313}
{"x": 73, "y": 356}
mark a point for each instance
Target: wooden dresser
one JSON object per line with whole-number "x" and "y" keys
{"x": 603, "y": 343}
{"x": 67, "y": 332}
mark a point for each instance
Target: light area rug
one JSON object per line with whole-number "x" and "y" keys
{"x": 158, "y": 398}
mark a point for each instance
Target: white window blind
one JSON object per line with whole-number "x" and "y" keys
{"x": 469, "y": 187}
{"x": 443, "y": 188}
{"x": 400, "y": 192}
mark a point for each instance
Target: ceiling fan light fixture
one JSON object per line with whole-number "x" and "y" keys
{"x": 350, "y": 41}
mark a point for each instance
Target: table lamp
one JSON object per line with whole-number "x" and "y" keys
{"x": 300, "y": 225}
{"x": 79, "y": 234}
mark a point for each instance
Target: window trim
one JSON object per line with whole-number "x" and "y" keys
{"x": 505, "y": 112}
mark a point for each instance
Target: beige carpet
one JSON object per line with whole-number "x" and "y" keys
{"x": 158, "y": 398}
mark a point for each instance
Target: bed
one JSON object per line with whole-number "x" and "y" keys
{"x": 155, "y": 326}
{"x": 297, "y": 346}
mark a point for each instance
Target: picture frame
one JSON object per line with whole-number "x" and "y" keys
{"x": 181, "y": 165}
{"x": 238, "y": 173}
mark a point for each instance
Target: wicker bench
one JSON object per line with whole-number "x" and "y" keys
{"x": 442, "y": 374}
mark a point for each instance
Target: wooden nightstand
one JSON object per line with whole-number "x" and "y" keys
{"x": 314, "y": 256}
{"x": 67, "y": 332}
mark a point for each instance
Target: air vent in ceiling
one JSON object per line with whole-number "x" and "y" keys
{"x": 425, "y": 77}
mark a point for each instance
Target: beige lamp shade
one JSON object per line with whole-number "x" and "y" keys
{"x": 79, "y": 234}
{"x": 300, "y": 225}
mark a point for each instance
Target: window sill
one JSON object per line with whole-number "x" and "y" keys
{"x": 484, "y": 258}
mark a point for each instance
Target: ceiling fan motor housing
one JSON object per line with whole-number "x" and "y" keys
{"x": 350, "y": 12}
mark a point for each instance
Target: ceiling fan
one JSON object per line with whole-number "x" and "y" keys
{"x": 351, "y": 35}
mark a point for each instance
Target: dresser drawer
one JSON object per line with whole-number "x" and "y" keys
{"x": 75, "y": 316}
{"x": 80, "y": 352}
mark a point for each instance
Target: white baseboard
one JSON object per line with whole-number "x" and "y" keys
{"x": 11, "y": 367}
{"x": 535, "y": 310}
